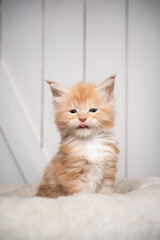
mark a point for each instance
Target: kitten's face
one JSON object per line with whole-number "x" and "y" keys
{"x": 83, "y": 110}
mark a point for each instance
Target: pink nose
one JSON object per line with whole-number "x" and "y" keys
{"x": 82, "y": 119}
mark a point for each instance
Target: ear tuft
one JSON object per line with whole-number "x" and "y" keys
{"x": 108, "y": 87}
{"x": 49, "y": 82}
{"x": 57, "y": 89}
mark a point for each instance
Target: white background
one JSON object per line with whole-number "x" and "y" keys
{"x": 70, "y": 41}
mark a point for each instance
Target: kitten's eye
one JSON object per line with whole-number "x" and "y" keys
{"x": 93, "y": 110}
{"x": 73, "y": 111}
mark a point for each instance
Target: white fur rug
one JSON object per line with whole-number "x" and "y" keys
{"x": 133, "y": 213}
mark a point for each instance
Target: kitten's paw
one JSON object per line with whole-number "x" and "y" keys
{"x": 107, "y": 190}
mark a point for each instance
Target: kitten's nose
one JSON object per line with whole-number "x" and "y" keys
{"x": 82, "y": 119}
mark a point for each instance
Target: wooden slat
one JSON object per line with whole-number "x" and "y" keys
{"x": 144, "y": 88}
{"x": 18, "y": 132}
{"x": 63, "y": 57}
{"x": 106, "y": 55}
{"x": 9, "y": 173}
{"x": 21, "y": 53}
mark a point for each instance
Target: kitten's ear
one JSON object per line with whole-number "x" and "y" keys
{"x": 57, "y": 90}
{"x": 108, "y": 87}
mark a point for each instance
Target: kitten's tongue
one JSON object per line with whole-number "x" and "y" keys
{"x": 83, "y": 125}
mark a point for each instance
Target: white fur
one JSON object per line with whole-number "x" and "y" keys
{"x": 94, "y": 148}
{"x": 92, "y": 181}
{"x": 133, "y": 213}
{"x": 96, "y": 151}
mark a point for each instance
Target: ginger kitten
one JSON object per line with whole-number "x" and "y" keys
{"x": 87, "y": 157}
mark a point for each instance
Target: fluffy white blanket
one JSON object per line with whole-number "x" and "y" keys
{"x": 132, "y": 213}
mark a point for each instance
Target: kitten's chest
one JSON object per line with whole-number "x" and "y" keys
{"x": 94, "y": 151}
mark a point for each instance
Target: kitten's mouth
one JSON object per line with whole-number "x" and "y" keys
{"x": 83, "y": 126}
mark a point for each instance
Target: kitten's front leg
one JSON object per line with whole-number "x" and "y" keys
{"x": 108, "y": 186}
{"x": 109, "y": 178}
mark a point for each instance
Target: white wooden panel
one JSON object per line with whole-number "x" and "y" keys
{"x": 106, "y": 56}
{"x": 21, "y": 40}
{"x": 144, "y": 88}
{"x": 9, "y": 173}
{"x": 18, "y": 132}
{"x": 63, "y": 56}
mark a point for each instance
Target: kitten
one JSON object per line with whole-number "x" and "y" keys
{"x": 88, "y": 153}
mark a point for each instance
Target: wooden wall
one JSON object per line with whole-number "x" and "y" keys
{"x": 70, "y": 41}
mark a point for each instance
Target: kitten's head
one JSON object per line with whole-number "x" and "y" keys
{"x": 85, "y": 109}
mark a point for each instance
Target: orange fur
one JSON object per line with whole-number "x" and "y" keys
{"x": 88, "y": 153}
